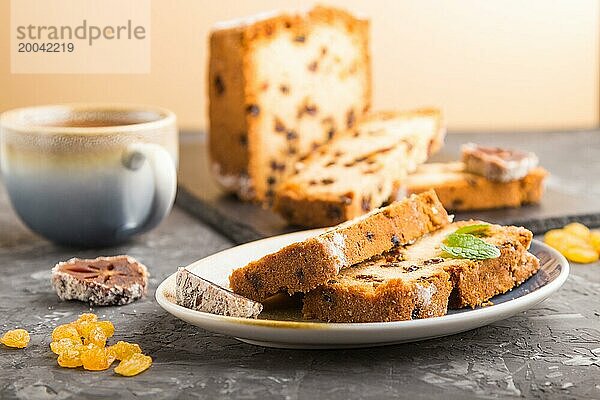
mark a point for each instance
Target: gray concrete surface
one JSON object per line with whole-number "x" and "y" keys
{"x": 552, "y": 351}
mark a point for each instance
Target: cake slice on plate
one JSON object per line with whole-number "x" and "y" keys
{"x": 196, "y": 293}
{"x": 420, "y": 280}
{"x": 358, "y": 172}
{"x": 300, "y": 267}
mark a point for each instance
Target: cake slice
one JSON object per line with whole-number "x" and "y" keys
{"x": 420, "y": 281}
{"x": 281, "y": 84}
{"x": 460, "y": 190}
{"x": 300, "y": 267}
{"x": 356, "y": 173}
{"x": 199, "y": 294}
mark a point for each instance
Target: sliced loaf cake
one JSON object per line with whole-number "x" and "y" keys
{"x": 358, "y": 172}
{"x": 420, "y": 281}
{"x": 300, "y": 267}
{"x": 281, "y": 84}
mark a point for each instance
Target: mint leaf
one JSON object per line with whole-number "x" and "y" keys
{"x": 463, "y": 240}
{"x": 477, "y": 229}
{"x": 462, "y": 245}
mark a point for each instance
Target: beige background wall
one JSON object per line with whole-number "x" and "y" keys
{"x": 492, "y": 65}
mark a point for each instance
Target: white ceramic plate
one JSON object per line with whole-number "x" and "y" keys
{"x": 282, "y": 332}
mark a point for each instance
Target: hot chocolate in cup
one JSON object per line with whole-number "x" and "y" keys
{"x": 90, "y": 175}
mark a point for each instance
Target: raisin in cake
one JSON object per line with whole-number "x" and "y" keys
{"x": 416, "y": 281}
{"x": 356, "y": 173}
{"x": 460, "y": 190}
{"x": 302, "y": 266}
{"x": 280, "y": 85}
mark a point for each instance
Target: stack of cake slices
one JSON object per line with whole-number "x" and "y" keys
{"x": 418, "y": 281}
{"x": 391, "y": 264}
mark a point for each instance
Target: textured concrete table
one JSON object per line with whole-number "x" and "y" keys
{"x": 552, "y": 351}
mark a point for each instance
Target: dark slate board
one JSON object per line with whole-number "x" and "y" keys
{"x": 573, "y": 189}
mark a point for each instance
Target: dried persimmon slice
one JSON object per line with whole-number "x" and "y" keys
{"x": 102, "y": 281}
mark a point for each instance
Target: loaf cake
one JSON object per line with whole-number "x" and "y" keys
{"x": 303, "y": 266}
{"x": 459, "y": 190}
{"x": 356, "y": 173}
{"x": 420, "y": 281}
{"x": 280, "y": 85}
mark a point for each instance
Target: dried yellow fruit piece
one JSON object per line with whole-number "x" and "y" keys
{"x": 134, "y": 365}
{"x": 554, "y": 238}
{"x": 576, "y": 242}
{"x": 577, "y": 229}
{"x": 560, "y": 239}
{"x": 86, "y": 327}
{"x": 96, "y": 336}
{"x": 87, "y": 317}
{"x": 63, "y": 345}
{"x": 65, "y": 331}
{"x": 70, "y": 358}
{"x": 92, "y": 353}
{"x": 583, "y": 255}
{"x": 107, "y": 327}
{"x": 595, "y": 240}
{"x": 96, "y": 358}
{"x": 123, "y": 350}
{"x": 18, "y": 338}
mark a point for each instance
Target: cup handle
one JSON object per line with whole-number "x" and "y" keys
{"x": 165, "y": 182}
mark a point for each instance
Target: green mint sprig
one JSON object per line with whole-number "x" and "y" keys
{"x": 466, "y": 245}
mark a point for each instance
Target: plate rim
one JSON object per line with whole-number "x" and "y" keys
{"x": 480, "y": 313}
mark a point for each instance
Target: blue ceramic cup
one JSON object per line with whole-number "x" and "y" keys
{"x": 90, "y": 175}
